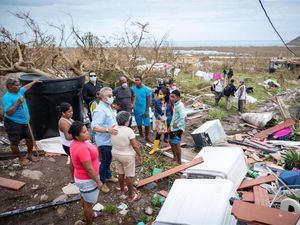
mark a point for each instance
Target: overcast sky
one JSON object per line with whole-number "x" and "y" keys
{"x": 182, "y": 20}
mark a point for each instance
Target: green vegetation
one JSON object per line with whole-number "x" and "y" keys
{"x": 110, "y": 208}
{"x": 292, "y": 160}
{"x": 146, "y": 219}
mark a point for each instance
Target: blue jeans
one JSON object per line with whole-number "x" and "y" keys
{"x": 106, "y": 157}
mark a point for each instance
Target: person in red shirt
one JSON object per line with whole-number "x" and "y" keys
{"x": 85, "y": 160}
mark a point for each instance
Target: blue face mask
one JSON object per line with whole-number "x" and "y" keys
{"x": 110, "y": 100}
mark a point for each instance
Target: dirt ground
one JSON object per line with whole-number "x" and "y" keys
{"x": 56, "y": 175}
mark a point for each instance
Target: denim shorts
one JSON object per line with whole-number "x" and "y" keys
{"x": 88, "y": 190}
{"x": 175, "y": 137}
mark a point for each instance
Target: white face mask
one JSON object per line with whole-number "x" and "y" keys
{"x": 93, "y": 79}
{"x": 110, "y": 100}
{"x": 124, "y": 85}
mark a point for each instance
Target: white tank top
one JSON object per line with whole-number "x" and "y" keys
{"x": 243, "y": 96}
{"x": 64, "y": 141}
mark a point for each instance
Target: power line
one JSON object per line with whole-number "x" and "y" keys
{"x": 262, "y": 6}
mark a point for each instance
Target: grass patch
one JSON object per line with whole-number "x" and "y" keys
{"x": 218, "y": 113}
{"x": 110, "y": 208}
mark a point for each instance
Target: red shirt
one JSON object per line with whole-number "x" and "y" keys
{"x": 82, "y": 152}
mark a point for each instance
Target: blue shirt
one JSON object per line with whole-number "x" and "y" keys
{"x": 179, "y": 116}
{"x": 103, "y": 116}
{"x": 141, "y": 95}
{"x": 21, "y": 115}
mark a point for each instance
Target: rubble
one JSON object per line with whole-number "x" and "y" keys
{"x": 32, "y": 174}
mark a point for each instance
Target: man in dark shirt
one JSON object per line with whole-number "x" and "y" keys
{"x": 229, "y": 92}
{"x": 123, "y": 96}
{"x": 90, "y": 88}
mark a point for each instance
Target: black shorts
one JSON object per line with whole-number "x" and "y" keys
{"x": 16, "y": 131}
{"x": 177, "y": 133}
{"x": 66, "y": 149}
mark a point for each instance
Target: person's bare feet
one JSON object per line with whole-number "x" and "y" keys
{"x": 33, "y": 158}
{"x": 24, "y": 162}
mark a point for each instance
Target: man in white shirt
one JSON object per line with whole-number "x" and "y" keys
{"x": 219, "y": 87}
{"x": 241, "y": 94}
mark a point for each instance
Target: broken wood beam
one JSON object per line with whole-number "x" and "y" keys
{"x": 40, "y": 206}
{"x": 170, "y": 172}
{"x": 257, "y": 181}
{"x": 163, "y": 193}
{"x": 238, "y": 137}
{"x": 261, "y": 196}
{"x": 248, "y": 196}
{"x": 256, "y": 214}
{"x": 11, "y": 184}
{"x": 287, "y": 123}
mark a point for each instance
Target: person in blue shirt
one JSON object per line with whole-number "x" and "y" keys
{"x": 104, "y": 125}
{"x": 16, "y": 118}
{"x": 141, "y": 104}
{"x": 177, "y": 125}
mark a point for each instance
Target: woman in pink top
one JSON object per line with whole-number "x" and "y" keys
{"x": 85, "y": 161}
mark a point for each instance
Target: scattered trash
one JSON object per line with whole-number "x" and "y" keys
{"x": 271, "y": 83}
{"x": 257, "y": 119}
{"x": 122, "y": 206}
{"x": 156, "y": 171}
{"x": 71, "y": 189}
{"x": 149, "y": 211}
{"x": 98, "y": 207}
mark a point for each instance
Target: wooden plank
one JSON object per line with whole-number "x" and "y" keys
{"x": 163, "y": 193}
{"x": 261, "y": 196}
{"x": 249, "y": 196}
{"x": 238, "y": 137}
{"x": 265, "y": 133}
{"x": 170, "y": 172}
{"x": 254, "y": 182}
{"x": 11, "y": 184}
{"x": 250, "y": 125}
{"x": 183, "y": 144}
{"x": 251, "y": 213}
{"x": 251, "y": 160}
{"x": 198, "y": 115}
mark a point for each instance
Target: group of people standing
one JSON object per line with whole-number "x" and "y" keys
{"x": 230, "y": 91}
{"x": 111, "y": 113}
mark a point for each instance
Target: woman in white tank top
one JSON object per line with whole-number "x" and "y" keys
{"x": 64, "y": 124}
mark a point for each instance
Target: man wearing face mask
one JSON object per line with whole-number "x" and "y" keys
{"x": 103, "y": 123}
{"x": 124, "y": 96}
{"x": 90, "y": 88}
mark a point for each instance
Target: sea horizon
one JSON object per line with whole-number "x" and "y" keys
{"x": 228, "y": 43}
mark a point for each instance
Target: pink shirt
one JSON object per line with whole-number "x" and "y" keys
{"x": 82, "y": 152}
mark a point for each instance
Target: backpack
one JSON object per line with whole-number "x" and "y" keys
{"x": 227, "y": 90}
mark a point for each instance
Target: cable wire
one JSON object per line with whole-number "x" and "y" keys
{"x": 262, "y": 6}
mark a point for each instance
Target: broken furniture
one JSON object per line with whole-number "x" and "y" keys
{"x": 256, "y": 214}
{"x": 198, "y": 201}
{"x": 220, "y": 162}
{"x": 209, "y": 133}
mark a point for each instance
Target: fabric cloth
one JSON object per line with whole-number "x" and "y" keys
{"x": 106, "y": 158}
{"x": 243, "y": 96}
{"x": 125, "y": 164}
{"x": 89, "y": 91}
{"x": 141, "y": 95}
{"x": 241, "y": 104}
{"x": 219, "y": 86}
{"x": 83, "y": 152}
{"x": 121, "y": 142}
{"x": 66, "y": 149}
{"x": 123, "y": 98}
{"x": 141, "y": 119}
{"x": 217, "y": 76}
{"x": 88, "y": 190}
{"x": 282, "y": 133}
{"x": 175, "y": 137}
{"x": 229, "y": 102}
{"x": 63, "y": 139}
{"x": 103, "y": 116}
{"x": 21, "y": 115}
{"x": 16, "y": 131}
{"x": 93, "y": 105}
{"x": 179, "y": 116}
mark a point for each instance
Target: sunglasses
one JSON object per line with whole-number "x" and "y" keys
{"x": 93, "y": 75}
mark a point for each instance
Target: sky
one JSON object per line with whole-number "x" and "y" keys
{"x": 181, "y": 20}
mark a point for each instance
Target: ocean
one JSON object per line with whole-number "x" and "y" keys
{"x": 227, "y": 43}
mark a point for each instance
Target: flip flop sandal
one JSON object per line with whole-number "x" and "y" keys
{"x": 136, "y": 197}
{"x": 25, "y": 162}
